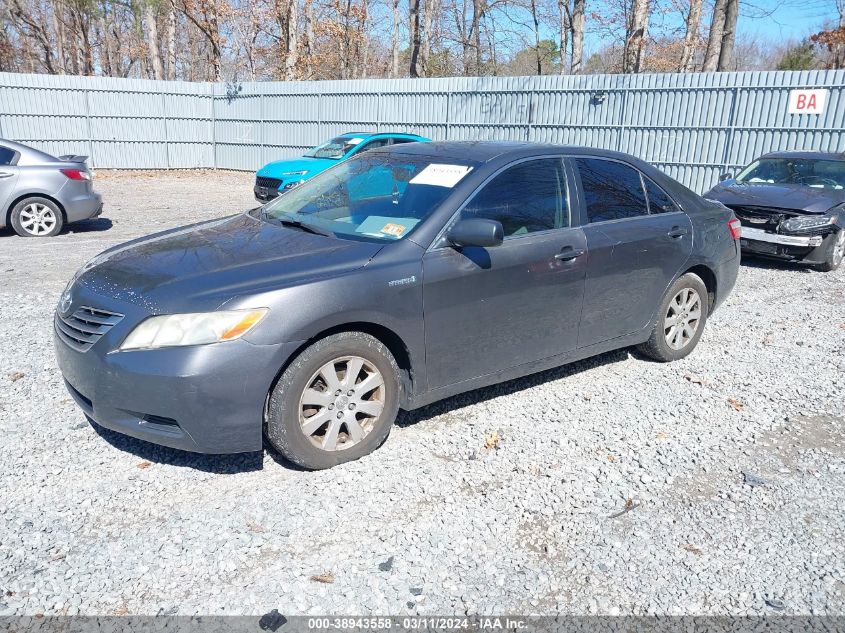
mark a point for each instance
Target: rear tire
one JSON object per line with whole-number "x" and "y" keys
{"x": 319, "y": 415}
{"x": 834, "y": 253}
{"x": 680, "y": 320}
{"x": 37, "y": 217}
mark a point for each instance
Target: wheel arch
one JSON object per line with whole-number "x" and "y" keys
{"x": 390, "y": 339}
{"x": 708, "y": 277}
{"x": 8, "y": 215}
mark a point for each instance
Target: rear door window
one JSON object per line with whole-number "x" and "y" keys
{"x": 525, "y": 198}
{"x": 612, "y": 190}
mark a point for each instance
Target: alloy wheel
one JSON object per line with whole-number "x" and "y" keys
{"x": 341, "y": 403}
{"x": 38, "y": 219}
{"x": 682, "y": 318}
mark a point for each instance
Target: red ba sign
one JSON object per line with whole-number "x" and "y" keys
{"x": 807, "y": 101}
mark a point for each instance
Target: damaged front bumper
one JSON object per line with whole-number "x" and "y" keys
{"x": 808, "y": 249}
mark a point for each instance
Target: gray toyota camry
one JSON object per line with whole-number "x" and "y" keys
{"x": 390, "y": 281}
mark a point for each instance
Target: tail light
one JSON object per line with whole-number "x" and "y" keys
{"x": 76, "y": 174}
{"x": 735, "y": 227}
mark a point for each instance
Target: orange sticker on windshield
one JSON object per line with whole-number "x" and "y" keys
{"x": 393, "y": 229}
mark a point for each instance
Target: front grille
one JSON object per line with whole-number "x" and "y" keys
{"x": 84, "y": 327}
{"x": 766, "y": 218}
{"x": 269, "y": 183}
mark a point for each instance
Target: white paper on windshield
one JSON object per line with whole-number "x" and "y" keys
{"x": 354, "y": 141}
{"x": 441, "y": 175}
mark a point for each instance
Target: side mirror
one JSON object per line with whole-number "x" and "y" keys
{"x": 725, "y": 176}
{"x": 476, "y": 232}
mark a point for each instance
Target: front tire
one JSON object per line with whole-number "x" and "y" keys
{"x": 37, "y": 217}
{"x": 335, "y": 403}
{"x": 680, "y": 320}
{"x": 835, "y": 252}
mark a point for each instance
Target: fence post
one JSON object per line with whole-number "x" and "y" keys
{"x": 213, "y": 130}
{"x": 448, "y": 113}
{"x": 88, "y": 127}
{"x": 166, "y": 133}
{"x": 731, "y": 130}
{"x": 261, "y": 127}
{"x": 623, "y": 114}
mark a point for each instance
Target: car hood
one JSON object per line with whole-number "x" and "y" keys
{"x": 202, "y": 266}
{"x": 807, "y": 199}
{"x": 310, "y": 165}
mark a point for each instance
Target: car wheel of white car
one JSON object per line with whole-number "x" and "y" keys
{"x": 335, "y": 402}
{"x": 37, "y": 217}
{"x": 835, "y": 252}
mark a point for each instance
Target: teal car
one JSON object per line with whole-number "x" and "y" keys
{"x": 281, "y": 175}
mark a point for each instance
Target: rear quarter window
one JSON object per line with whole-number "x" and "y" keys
{"x": 658, "y": 200}
{"x": 6, "y": 155}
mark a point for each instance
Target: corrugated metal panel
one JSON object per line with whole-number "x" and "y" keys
{"x": 693, "y": 126}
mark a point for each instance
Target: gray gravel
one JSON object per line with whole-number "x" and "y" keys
{"x": 710, "y": 486}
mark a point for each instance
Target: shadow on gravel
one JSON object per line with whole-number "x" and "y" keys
{"x": 89, "y": 226}
{"x": 218, "y": 464}
{"x": 774, "y": 264}
{"x": 409, "y": 418}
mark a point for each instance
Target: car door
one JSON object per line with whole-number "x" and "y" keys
{"x": 489, "y": 309}
{"x": 8, "y": 176}
{"x": 634, "y": 253}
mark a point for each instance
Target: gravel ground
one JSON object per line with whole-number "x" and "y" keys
{"x": 709, "y": 486}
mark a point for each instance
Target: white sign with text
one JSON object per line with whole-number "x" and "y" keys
{"x": 807, "y": 101}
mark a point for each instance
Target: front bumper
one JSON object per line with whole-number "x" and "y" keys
{"x": 797, "y": 248}
{"x": 205, "y": 399}
{"x": 265, "y": 194}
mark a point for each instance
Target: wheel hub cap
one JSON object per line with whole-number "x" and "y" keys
{"x": 682, "y": 318}
{"x": 341, "y": 403}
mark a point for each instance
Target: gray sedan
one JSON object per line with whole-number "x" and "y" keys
{"x": 393, "y": 279}
{"x": 40, "y": 193}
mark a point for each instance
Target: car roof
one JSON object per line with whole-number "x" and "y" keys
{"x": 479, "y": 152}
{"x": 28, "y": 152}
{"x": 369, "y": 135}
{"x": 806, "y": 154}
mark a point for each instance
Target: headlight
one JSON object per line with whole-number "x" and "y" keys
{"x": 192, "y": 329}
{"x": 808, "y": 222}
{"x": 295, "y": 173}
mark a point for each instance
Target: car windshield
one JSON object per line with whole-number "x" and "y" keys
{"x": 379, "y": 197}
{"x": 821, "y": 174}
{"x": 336, "y": 148}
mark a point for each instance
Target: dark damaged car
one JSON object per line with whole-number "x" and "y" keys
{"x": 392, "y": 280}
{"x": 791, "y": 206}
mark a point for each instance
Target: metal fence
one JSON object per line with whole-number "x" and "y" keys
{"x": 693, "y": 126}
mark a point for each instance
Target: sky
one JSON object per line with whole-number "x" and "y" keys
{"x": 767, "y": 20}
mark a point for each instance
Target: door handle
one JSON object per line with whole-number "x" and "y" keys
{"x": 677, "y": 232}
{"x": 567, "y": 253}
{"x": 5, "y": 174}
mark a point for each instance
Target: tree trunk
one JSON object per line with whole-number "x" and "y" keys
{"x": 292, "y": 55}
{"x": 60, "y": 38}
{"x": 476, "y": 33}
{"x": 714, "y": 39}
{"x": 537, "y": 53}
{"x": 171, "y": 41}
{"x": 578, "y": 13}
{"x": 565, "y": 25}
{"x": 152, "y": 41}
{"x": 636, "y": 36}
{"x": 416, "y": 67}
{"x": 691, "y": 38}
{"x": 726, "y": 51}
{"x": 394, "y": 42}
{"x": 309, "y": 39}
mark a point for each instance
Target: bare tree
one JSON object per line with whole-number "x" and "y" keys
{"x": 714, "y": 39}
{"x": 635, "y": 36}
{"x": 578, "y": 20}
{"x": 693, "y": 22}
{"x": 152, "y": 40}
{"x": 726, "y": 51}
